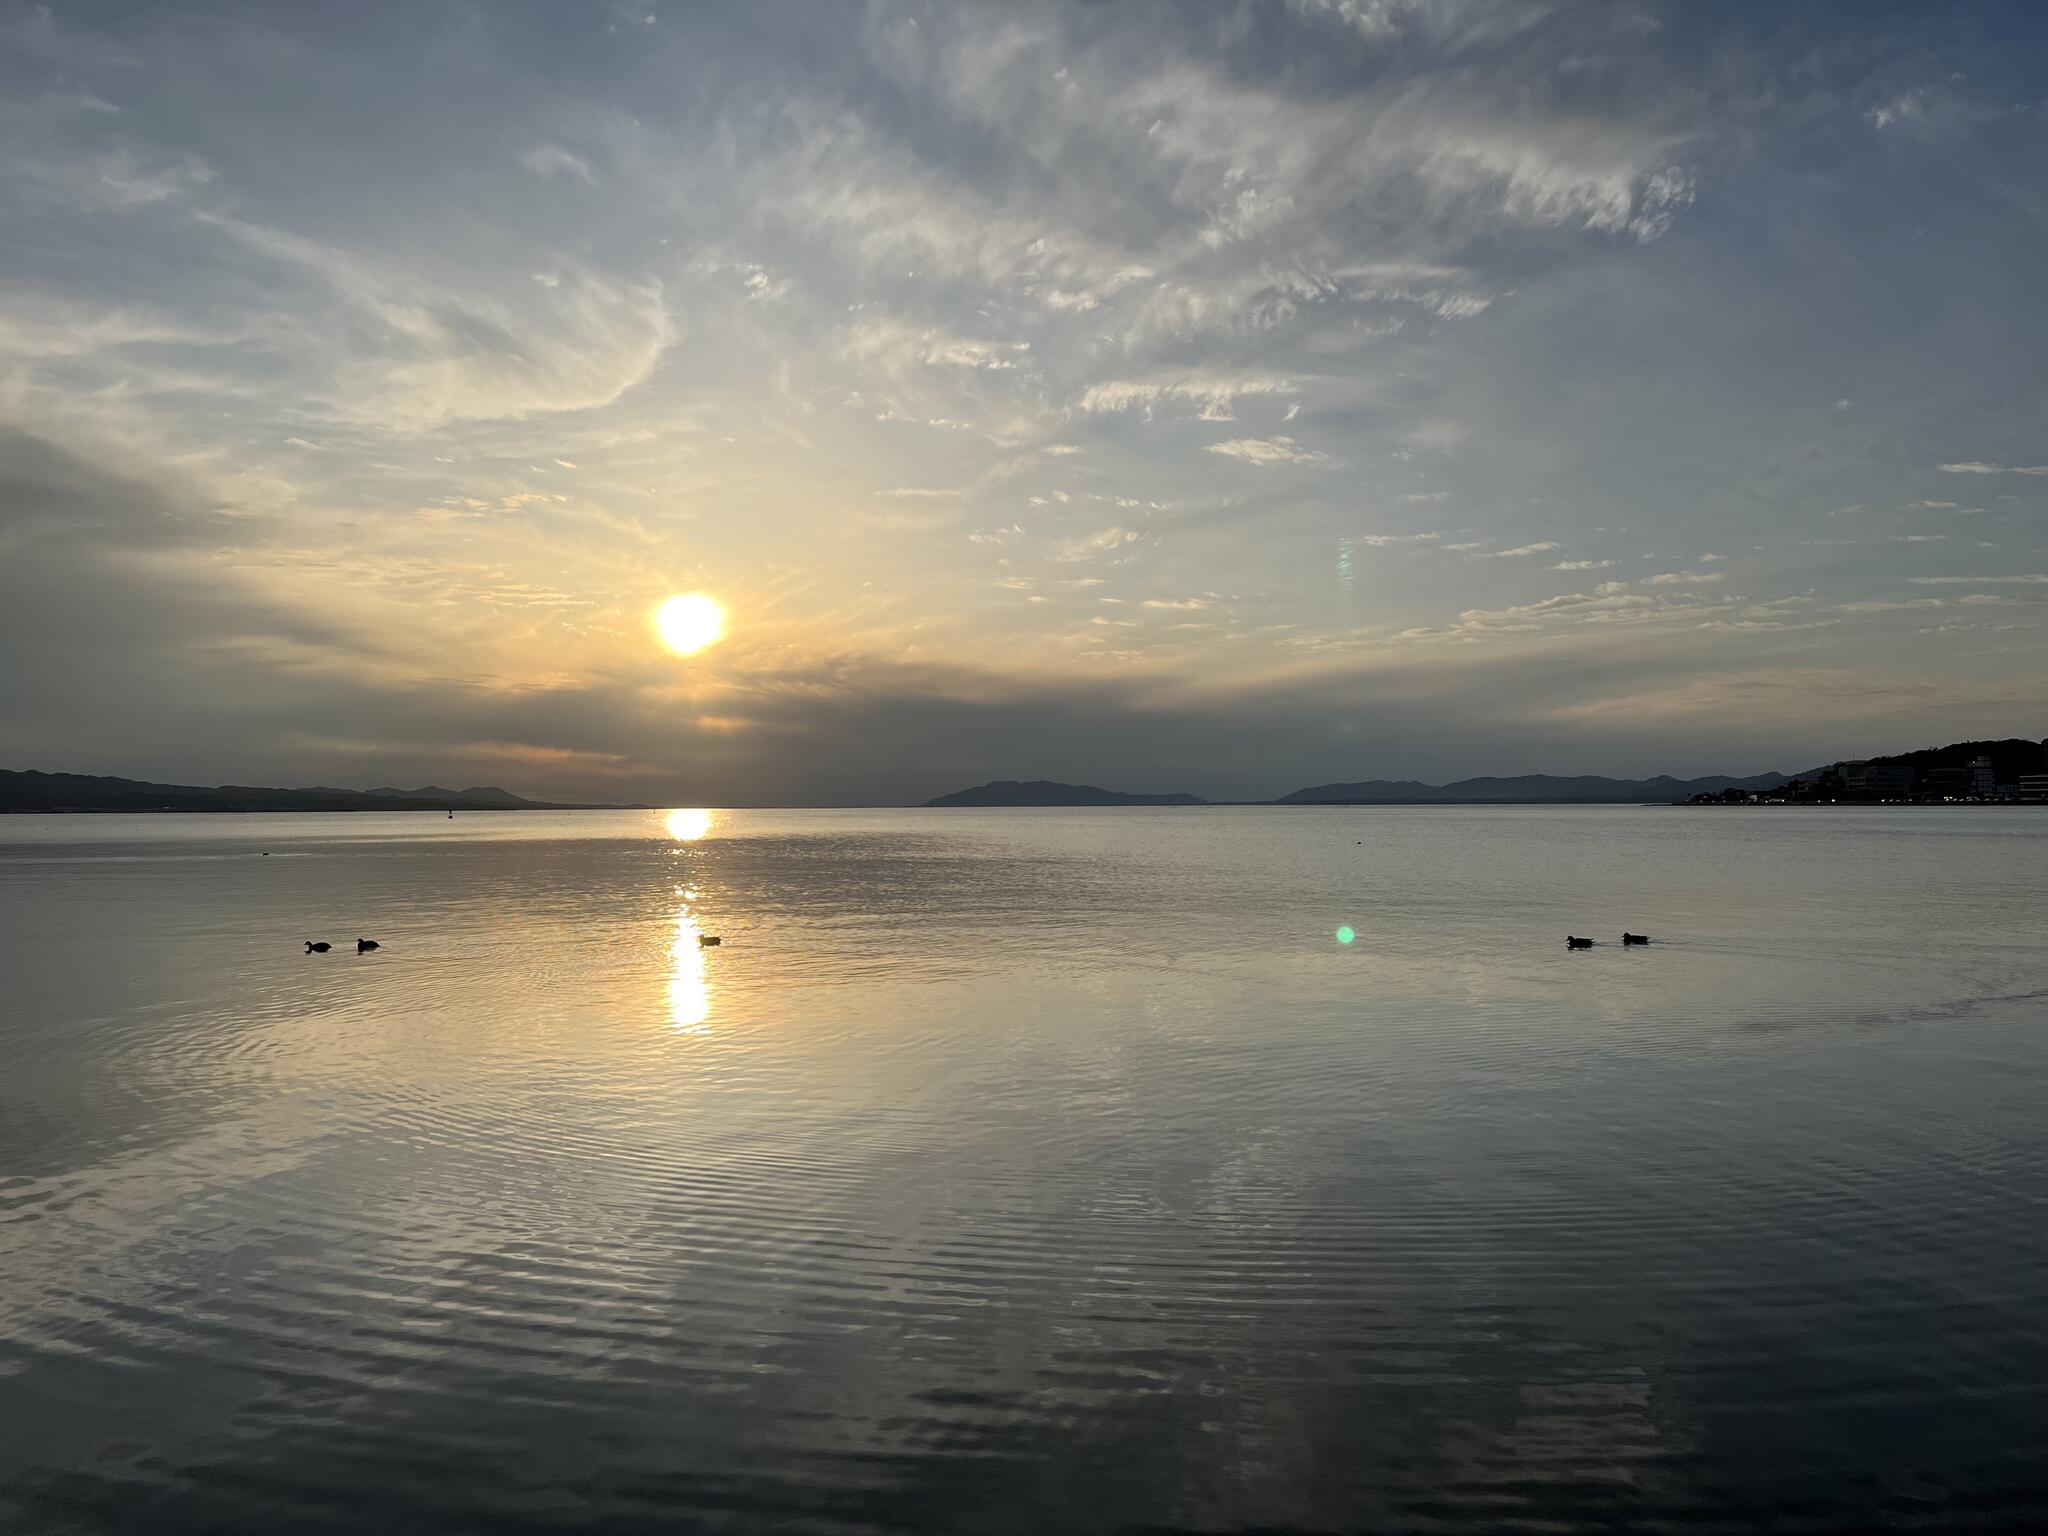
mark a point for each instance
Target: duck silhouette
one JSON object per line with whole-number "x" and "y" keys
{"x": 1573, "y": 941}
{"x": 364, "y": 945}
{"x": 708, "y": 940}
{"x": 317, "y": 947}
{"x": 1635, "y": 938}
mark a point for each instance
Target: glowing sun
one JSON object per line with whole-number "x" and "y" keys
{"x": 689, "y": 623}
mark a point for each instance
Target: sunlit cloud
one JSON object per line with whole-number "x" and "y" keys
{"x": 1267, "y": 450}
{"x": 926, "y": 345}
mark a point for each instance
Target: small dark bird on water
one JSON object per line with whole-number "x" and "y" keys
{"x": 367, "y": 944}
{"x": 319, "y": 948}
{"x": 1635, "y": 938}
{"x": 708, "y": 940}
{"x": 1573, "y": 941}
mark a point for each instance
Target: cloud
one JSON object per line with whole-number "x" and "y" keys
{"x": 1216, "y": 395}
{"x": 1896, "y": 605}
{"x": 414, "y": 354}
{"x": 1267, "y": 450}
{"x": 1978, "y": 467}
{"x": 2035, "y": 580}
{"x": 862, "y": 334}
{"x": 553, "y": 160}
{"x": 897, "y": 347}
{"x": 1101, "y": 542}
{"x": 1897, "y": 109}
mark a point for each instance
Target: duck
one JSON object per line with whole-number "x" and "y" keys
{"x": 317, "y": 946}
{"x": 364, "y": 945}
{"x": 1635, "y": 938}
{"x": 708, "y": 941}
{"x": 1573, "y": 941}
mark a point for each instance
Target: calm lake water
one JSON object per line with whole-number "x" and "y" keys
{"x": 1025, "y": 1171}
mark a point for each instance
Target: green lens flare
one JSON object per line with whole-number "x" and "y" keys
{"x": 1345, "y": 935}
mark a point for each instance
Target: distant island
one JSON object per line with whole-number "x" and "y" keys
{"x": 1533, "y": 788}
{"x": 2011, "y": 770}
{"x": 32, "y": 792}
{"x": 1046, "y": 792}
{"x": 1526, "y": 789}
{"x": 2008, "y": 771}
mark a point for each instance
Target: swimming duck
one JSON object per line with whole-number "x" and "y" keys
{"x": 319, "y": 947}
{"x": 1635, "y": 938}
{"x": 708, "y": 940}
{"x": 367, "y": 944}
{"x": 1573, "y": 941}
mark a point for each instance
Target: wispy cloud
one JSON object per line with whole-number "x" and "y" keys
{"x": 553, "y": 160}
{"x": 1381, "y": 540}
{"x": 865, "y": 334}
{"x": 1215, "y": 396}
{"x": 1103, "y": 541}
{"x": 1267, "y": 450}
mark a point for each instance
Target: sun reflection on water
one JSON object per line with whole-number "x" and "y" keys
{"x": 688, "y": 826}
{"x": 689, "y": 987}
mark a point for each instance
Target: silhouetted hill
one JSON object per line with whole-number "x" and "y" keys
{"x": 1524, "y": 789}
{"x": 2010, "y": 758}
{"x": 482, "y": 794}
{"x": 33, "y": 791}
{"x": 1046, "y": 792}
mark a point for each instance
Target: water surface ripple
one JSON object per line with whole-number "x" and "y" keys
{"x": 1024, "y": 1172}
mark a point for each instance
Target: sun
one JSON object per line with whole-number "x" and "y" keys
{"x": 689, "y": 623}
{"x": 688, "y": 826}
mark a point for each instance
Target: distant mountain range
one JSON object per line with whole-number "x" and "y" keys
{"x": 1525, "y": 789}
{"x": 32, "y": 791}
{"x": 1046, "y": 792}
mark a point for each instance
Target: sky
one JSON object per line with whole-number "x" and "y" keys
{"x": 1220, "y": 398}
